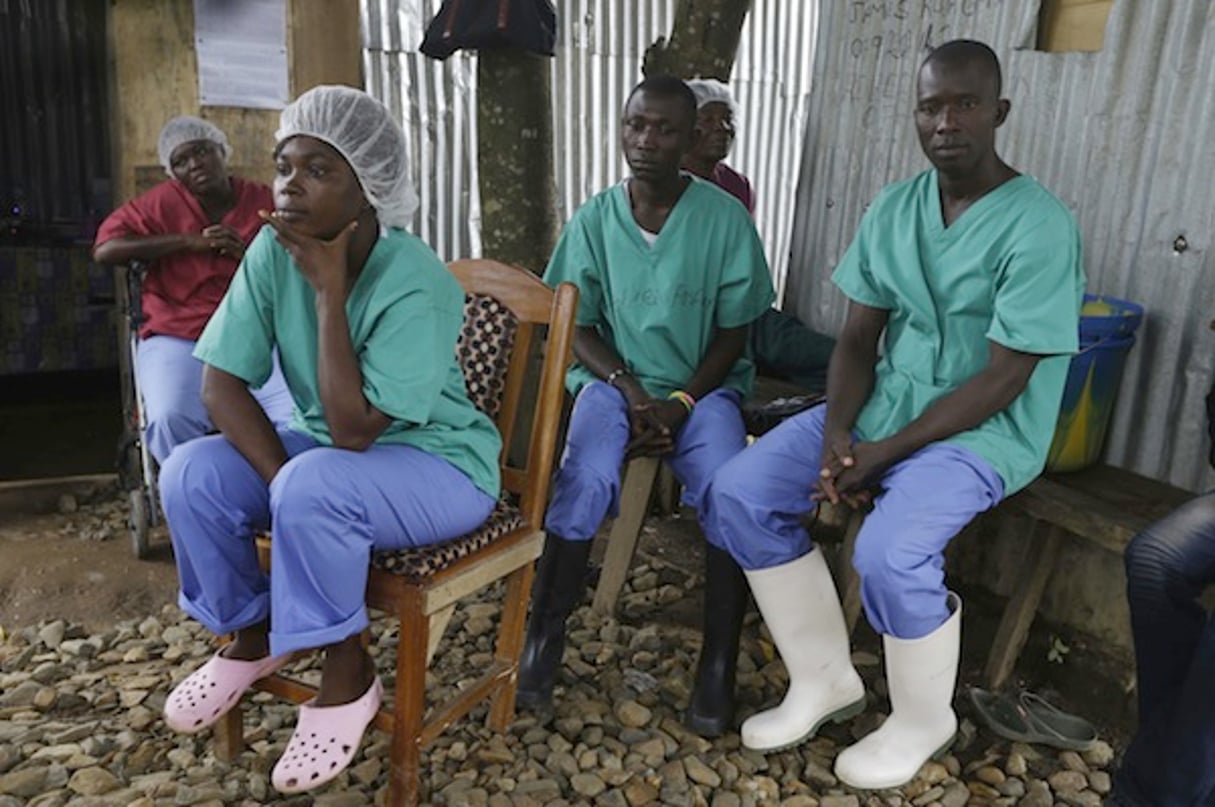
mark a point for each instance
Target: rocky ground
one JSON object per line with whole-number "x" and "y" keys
{"x": 80, "y": 724}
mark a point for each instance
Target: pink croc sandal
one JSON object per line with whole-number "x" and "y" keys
{"x": 325, "y": 741}
{"x": 209, "y": 692}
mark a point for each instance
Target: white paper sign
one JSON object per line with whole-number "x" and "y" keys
{"x": 242, "y": 53}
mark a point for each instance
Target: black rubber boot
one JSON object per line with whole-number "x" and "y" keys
{"x": 711, "y": 709}
{"x": 559, "y": 587}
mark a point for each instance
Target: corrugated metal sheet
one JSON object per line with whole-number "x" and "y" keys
{"x": 1123, "y": 136}
{"x": 436, "y": 103}
{"x": 600, "y": 47}
{"x": 771, "y": 82}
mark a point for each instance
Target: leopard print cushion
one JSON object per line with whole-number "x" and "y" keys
{"x": 422, "y": 562}
{"x": 483, "y": 350}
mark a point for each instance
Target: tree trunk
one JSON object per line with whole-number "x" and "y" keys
{"x": 515, "y": 157}
{"x": 518, "y": 189}
{"x": 703, "y": 43}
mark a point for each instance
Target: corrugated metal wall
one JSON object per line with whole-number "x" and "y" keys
{"x": 771, "y": 82}
{"x": 600, "y": 47}
{"x": 1123, "y": 136}
{"x": 436, "y": 102}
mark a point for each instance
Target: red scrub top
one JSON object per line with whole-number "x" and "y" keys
{"x": 182, "y": 290}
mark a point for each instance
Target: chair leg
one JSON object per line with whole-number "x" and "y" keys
{"x": 510, "y": 644}
{"x": 229, "y": 734}
{"x": 409, "y": 703}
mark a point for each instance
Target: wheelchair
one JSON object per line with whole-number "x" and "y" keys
{"x": 136, "y": 467}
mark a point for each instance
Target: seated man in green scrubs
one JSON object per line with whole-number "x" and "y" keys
{"x": 972, "y": 272}
{"x": 671, "y": 273}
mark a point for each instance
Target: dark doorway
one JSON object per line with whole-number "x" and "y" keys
{"x": 59, "y": 402}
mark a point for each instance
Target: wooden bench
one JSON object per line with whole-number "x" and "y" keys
{"x": 637, "y": 489}
{"x": 1103, "y": 505}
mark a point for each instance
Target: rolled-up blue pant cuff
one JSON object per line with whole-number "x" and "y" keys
{"x": 282, "y": 642}
{"x": 257, "y": 610}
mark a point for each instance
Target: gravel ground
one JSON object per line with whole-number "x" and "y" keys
{"x": 80, "y": 724}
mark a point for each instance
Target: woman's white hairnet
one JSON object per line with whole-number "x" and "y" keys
{"x": 709, "y": 91}
{"x": 187, "y": 129}
{"x": 365, "y": 133}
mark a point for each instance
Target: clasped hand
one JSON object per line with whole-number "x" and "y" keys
{"x": 850, "y": 471}
{"x": 653, "y": 424}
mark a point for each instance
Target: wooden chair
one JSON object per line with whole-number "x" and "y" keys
{"x": 505, "y": 308}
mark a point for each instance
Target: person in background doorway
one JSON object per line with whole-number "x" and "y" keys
{"x": 715, "y": 126}
{"x": 781, "y": 345}
{"x": 191, "y": 231}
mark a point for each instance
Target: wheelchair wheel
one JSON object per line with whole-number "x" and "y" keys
{"x": 140, "y": 523}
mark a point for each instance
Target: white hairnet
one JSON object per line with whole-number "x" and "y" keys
{"x": 710, "y": 90}
{"x": 187, "y": 129}
{"x": 367, "y": 136}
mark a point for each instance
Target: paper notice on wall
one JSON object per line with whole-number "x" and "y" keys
{"x": 242, "y": 53}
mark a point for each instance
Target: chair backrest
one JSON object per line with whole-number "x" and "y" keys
{"x": 506, "y": 306}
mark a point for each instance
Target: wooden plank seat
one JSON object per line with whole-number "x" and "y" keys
{"x": 774, "y": 400}
{"x": 1102, "y": 505}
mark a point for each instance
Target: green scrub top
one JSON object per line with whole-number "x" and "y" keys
{"x": 405, "y": 312}
{"x": 1007, "y": 270}
{"x": 660, "y": 305}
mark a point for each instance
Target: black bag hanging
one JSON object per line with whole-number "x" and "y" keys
{"x": 485, "y": 24}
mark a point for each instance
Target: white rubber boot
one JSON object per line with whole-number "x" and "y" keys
{"x": 921, "y": 674}
{"x": 803, "y": 614}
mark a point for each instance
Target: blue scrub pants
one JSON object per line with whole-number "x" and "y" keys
{"x": 328, "y": 509}
{"x": 1171, "y": 759}
{"x": 170, "y": 383}
{"x": 587, "y": 487}
{"x": 759, "y": 498}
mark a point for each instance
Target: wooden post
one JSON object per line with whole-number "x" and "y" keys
{"x": 622, "y": 540}
{"x": 1022, "y": 606}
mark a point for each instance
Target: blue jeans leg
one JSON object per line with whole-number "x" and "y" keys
{"x": 1171, "y": 759}
{"x": 170, "y": 387}
{"x": 712, "y": 435}
{"x": 927, "y": 499}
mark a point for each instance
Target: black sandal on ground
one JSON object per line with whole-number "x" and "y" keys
{"x": 1028, "y": 718}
